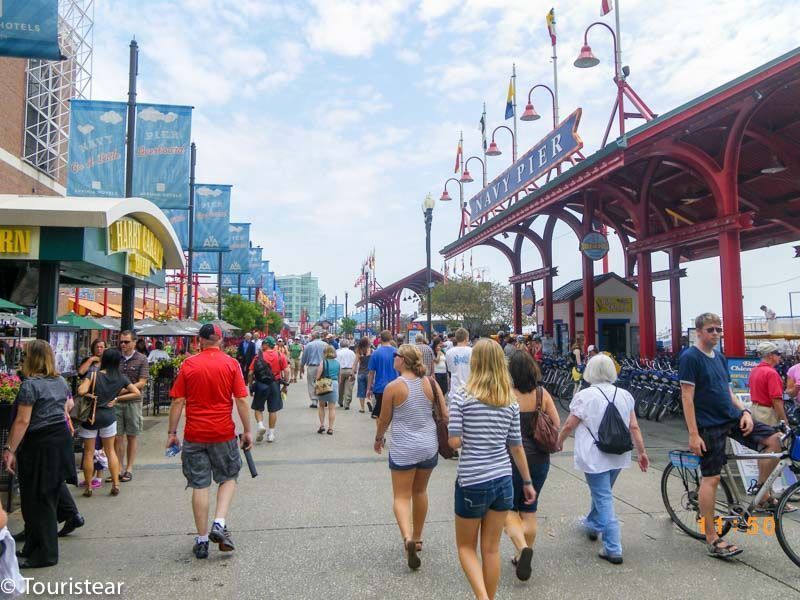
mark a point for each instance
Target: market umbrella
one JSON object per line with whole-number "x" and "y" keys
{"x": 8, "y": 305}
{"x": 109, "y": 322}
{"x": 189, "y": 325}
{"x": 165, "y": 330}
{"x": 74, "y": 320}
{"x": 225, "y": 326}
{"x": 145, "y": 323}
{"x": 14, "y": 321}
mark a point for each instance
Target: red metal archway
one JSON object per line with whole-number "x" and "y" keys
{"x": 387, "y": 298}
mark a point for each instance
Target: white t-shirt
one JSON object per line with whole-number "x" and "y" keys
{"x": 457, "y": 359}
{"x": 156, "y": 355}
{"x": 440, "y": 363}
{"x": 589, "y": 406}
{"x": 346, "y": 358}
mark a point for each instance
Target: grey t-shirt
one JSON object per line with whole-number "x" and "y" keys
{"x": 47, "y": 396}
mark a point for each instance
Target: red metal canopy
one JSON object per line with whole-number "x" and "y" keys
{"x": 387, "y": 298}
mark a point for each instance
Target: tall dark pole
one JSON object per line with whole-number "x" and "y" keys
{"x": 366, "y": 305}
{"x": 193, "y": 165}
{"x": 219, "y": 286}
{"x": 335, "y": 313}
{"x": 428, "y": 220}
{"x": 345, "y": 305}
{"x": 128, "y": 283}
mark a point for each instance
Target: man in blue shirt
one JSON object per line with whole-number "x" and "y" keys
{"x": 381, "y": 372}
{"x": 713, "y": 413}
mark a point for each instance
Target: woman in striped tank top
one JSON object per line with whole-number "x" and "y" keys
{"x": 414, "y": 451}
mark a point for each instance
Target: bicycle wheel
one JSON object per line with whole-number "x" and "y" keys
{"x": 642, "y": 406}
{"x": 565, "y": 394}
{"x": 655, "y": 406}
{"x": 787, "y": 525}
{"x": 680, "y": 490}
{"x": 662, "y": 412}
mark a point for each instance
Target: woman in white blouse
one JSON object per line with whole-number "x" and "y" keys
{"x": 601, "y": 469}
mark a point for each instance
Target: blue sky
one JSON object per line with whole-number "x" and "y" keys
{"x": 333, "y": 118}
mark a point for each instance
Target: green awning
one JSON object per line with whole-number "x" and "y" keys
{"x": 74, "y": 320}
{"x": 7, "y": 305}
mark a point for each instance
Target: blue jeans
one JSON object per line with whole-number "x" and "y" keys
{"x": 472, "y": 501}
{"x": 602, "y": 518}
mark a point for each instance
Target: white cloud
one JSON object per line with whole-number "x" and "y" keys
{"x": 408, "y": 56}
{"x": 206, "y": 191}
{"x": 112, "y": 117}
{"x": 153, "y": 115}
{"x": 86, "y": 129}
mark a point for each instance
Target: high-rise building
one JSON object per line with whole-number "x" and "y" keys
{"x": 300, "y": 292}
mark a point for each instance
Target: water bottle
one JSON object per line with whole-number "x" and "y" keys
{"x": 173, "y": 450}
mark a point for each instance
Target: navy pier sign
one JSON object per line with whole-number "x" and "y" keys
{"x": 556, "y": 147}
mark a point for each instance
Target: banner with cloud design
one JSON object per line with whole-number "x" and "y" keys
{"x": 180, "y": 223}
{"x": 212, "y": 217}
{"x": 254, "y": 258}
{"x": 96, "y": 152}
{"x": 237, "y": 260}
{"x": 29, "y": 29}
{"x": 161, "y": 162}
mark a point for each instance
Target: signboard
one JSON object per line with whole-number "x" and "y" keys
{"x": 739, "y": 370}
{"x": 528, "y": 300}
{"x": 29, "y": 29}
{"x": 180, "y": 223}
{"x": 414, "y": 329}
{"x": 613, "y": 304}
{"x": 161, "y": 165}
{"x": 238, "y": 259}
{"x": 19, "y": 243}
{"x": 212, "y": 210}
{"x": 145, "y": 252}
{"x": 594, "y": 245}
{"x": 554, "y": 148}
{"x": 96, "y": 152}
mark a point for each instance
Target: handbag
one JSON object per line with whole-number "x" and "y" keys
{"x": 323, "y": 385}
{"x": 87, "y": 405}
{"x": 445, "y": 451}
{"x": 543, "y": 430}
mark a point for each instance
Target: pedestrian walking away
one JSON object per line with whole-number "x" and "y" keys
{"x": 458, "y": 361}
{"x": 484, "y": 424}
{"x": 766, "y": 387}
{"x": 266, "y": 372}
{"x": 440, "y": 366}
{"x": 361, "y": 372}
{"x": 414, "y": 450}
{"x": 521, "y": 523}
{"x": 381, "y": 372}
{"x": 295, "y": 352}
{"x": 329, "y": 368}
{"x": 312, "y": 357}
{"x": 587, "y": 413}
{"x": 347, "y": 359}
{"x": 207, "y": 385}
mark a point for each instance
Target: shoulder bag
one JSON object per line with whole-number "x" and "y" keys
{"x": 445, "y": 451}
{"x": 543, "y": 430}
{"x": 323, "y": 385}
{"x": 87, "y": 405}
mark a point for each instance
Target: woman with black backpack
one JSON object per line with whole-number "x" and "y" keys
{"x": 606, "y": 430}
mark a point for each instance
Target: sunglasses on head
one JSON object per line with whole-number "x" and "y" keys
{"x": 713, "y": 329}
{"x": 396, "y": 354}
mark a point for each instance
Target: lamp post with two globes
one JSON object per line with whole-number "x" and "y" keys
{"x": 427, "y": 210}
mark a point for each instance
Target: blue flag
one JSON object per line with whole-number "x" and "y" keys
{"x": 180, "y": 223}
{"x": 212, "y": 210}
{"x": 255, "y": 263}
{"x": 29, "y": 29}
{"x": 205, "y": 262}
{"x": 238, "y": 259}
{"x": 510, "y": 99}
{"x": 162, "y": 159}
{"x": 96, "y": 153}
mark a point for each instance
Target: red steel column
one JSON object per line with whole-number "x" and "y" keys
{"x": 675, "y": 299}
{"x": 647, "y": 317}
{"x": 588, "y": 278}
{"x": 731, "y": 278}
{"x": 396, "y": 308}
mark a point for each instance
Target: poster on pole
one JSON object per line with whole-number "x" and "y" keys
{"x": 205, "y": 263}
{"x": 29, "y": 29}
{"x": 212, "y": 210}
{"x": 238, "y": 259}
{"x": 96, "y": 151}
{"x": 180, "y": 223}
{"x": 254, "y": 260}
{"x": 162, "y": 162}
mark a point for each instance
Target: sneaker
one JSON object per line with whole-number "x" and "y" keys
{"x": 369, "y": 405}
{"x": 271, "y": 437}
{"x": 220, "y": 535}
{"x": 261, "y": 432}
{"x": 614, "y": 560}
{"x": 312, "y": 406}
{"x": 97, "y": 483}
{"x": 200, "y": 549}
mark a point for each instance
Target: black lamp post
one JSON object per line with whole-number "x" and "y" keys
{"x": 427, "y": 210}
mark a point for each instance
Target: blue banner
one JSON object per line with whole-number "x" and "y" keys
{"x": 29, "y": 29}
{"x": 228, "y": 281}
{"x": 254, "y": 258}
{"x": 162, "y": 162}
{"x": 96, "y": 153}
{"x": 238, "y": 259}
{"x": 212, "y": 216}
{"x": 205, "y": 262}
{"x": 739, "y": 371}
{"x": 269, "y": 283}
{"x": 556, "y": 147}
{"x": 180, "y": 223}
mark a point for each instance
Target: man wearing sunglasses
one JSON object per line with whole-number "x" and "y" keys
{"x": 129, "y": 413}
{"x": 713, "y": 413}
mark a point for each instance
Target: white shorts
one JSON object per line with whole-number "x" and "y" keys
{"x": 105, "y": 432}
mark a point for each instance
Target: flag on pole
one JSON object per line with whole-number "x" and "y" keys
{"x": 482, "y": 127}
{"x": 510, "y": 99}
{"x": 459, "y": 154}
{"x": 551, "y": 25}
{"x": 606, "y": 6}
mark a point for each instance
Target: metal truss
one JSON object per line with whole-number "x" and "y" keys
{"x": 50, "y": 85}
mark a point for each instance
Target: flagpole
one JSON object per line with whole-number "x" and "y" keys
{"x": 556, "y": 118}
{"x": 461, "y": 148}
{"x": 619, "y": 46}
{"x": 483, "y": 143}
{"x": 514, "y": 79}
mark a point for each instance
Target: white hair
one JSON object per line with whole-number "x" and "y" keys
{"x": 600, "y": 369}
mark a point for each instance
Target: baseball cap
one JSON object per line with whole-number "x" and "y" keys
{"x": 269, "y": 341}
{"x": 767, "y": 348}
{"x": 211, "y": 331}
{"x": 591, "y": 348}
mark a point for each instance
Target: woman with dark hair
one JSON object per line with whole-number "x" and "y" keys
{"x": 39, "y": 449}
{"x": 92, "y": 362}
{"x": 141, "y": 347}
{"x": 440, "y": 366}
{"x": 521, "y": 524}
{"x": 106, "y": 386}
{"x": 361, "y": 370}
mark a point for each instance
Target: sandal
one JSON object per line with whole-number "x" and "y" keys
{"x": 727, "y": 551}
{"x": 114, "y": 491}
{"x": 321, "y": 429}
{"x": 419, "y": 545}
{"x": 126, "y": 476}
{"x": 523, "y": 566}
{"x": 87, "y": 493}
{"x": 771, "y": 505}
{"x": 109, "y": 479}
{"x": 330, "y": 431}
{"x": 411, "y": 554}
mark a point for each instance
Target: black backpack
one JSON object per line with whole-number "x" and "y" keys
{"x": 262, "y": 370}
{"x": 613, "y": 436}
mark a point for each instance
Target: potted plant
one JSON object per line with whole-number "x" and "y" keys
{"x": 9, "y": 386}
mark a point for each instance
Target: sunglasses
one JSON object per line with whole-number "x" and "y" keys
{"x": 126, "y": 341}
{"x": 713, "y": 329}
{"x": 396, "y": 354}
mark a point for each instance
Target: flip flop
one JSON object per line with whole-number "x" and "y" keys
{"x": 411, "y": 555}
{"x": 126, "y": 476}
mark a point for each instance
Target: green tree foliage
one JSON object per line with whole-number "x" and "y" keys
{"x": 242, "y": 313}
{"x": 274, "y": 321}
{"x": 471, "y": 303}
{"x": 206, "y": 315}
{"x": 348, "y": 325}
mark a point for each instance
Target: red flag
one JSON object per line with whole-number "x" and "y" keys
{"x": 459, "y": 154}
{"x": 550, "y": 19}
{"x": 606, "y": 6}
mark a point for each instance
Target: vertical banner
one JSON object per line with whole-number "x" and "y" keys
{"x": 212, "y": 211}
{"x": 238, "y": 259}
{"x": 162, "y": 162}
{"x": 96, "y": 152}
{"x": 205, "y": 262}
{"x": 180, "y": 223}
{"x": 29, "y": 29}
{"x": 254, "y": 257}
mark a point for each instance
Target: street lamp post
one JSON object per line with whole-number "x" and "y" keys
{"x": 466, "y": 177}
{"x": 530, "y": 114}
{"x": 427, "y": 210}
{"x": 495, "y": 151}
{"x": 445, "y": 197}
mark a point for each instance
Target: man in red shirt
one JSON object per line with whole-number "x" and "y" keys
{"x": 267, "y": 392}
{"x": 207, "y": 384}
{"x": 766, "y": 387}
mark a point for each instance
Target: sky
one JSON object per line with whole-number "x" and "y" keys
{"x": 333, "y": 119}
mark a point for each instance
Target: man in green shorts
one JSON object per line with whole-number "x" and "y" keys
{"x": 129, "y": 413}
{"x": 295, "y": 352}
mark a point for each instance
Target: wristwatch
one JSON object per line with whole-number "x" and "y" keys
{"x": 527, "y": 482}
{"x": 380, "y": 439}
{"x": 8, "y": 448}
{"x": 746, "y": 410}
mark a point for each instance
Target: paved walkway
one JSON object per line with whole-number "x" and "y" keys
{"x": 317, "y": 523}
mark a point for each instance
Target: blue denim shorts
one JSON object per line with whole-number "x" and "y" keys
{"x": 538, "y": 477}
{"x": 425, "y": 464}
{"x": 362, "y": 385}
{"x": 472, "y": 501}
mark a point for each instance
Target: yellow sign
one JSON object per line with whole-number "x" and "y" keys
{"x": 613, "y": 304}
{"x": 145, "y": 252}
{"x": 19, "y": 243}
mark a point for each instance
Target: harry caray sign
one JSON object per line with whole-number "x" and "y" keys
{"x": 557, "y": 146}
